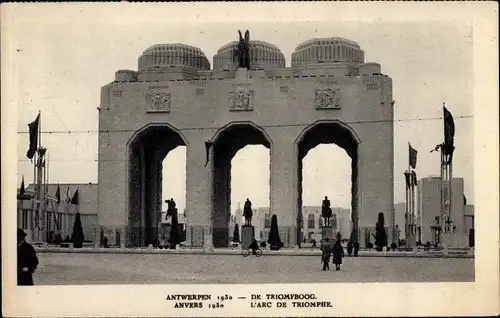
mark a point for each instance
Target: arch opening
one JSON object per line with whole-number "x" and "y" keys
{"x": 325, "y": 135}
{"x": 227, "y": 144}
{"x": 147, "y": 151}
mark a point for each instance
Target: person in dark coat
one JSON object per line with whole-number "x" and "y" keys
{"x": 349, "y": 248}
{"x": 356, "y": 248}
{"x": 326, "y": 252}
{"x": 27, "y": 261}
{"x": 338, "y": 253}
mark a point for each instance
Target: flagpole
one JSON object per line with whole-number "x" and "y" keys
{"x": 409, "y": 189}
{"x": 40, "y": 129}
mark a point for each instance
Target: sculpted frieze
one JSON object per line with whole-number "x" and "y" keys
{"x": 241, "y": 99}
{"x": 159, "y": 101}
{"x": 327, "y": 98}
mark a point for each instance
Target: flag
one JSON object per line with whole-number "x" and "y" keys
{"x": 208, "y": 144}
{"x": 74, "y": 199}
{"x": 407, "y": 178}
{"x": 412, "y": 155}
{"x": 33, "y": 131}
{"x": 22, "y": 190}
{"x": 414, "y": 177}
{"x": 449, "y": 133}
{"x": 449, "y": 127}
{"x": 68, "y": 196}
{"x": 58, "y": 194}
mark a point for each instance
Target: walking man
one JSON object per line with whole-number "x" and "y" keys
{"x": 27, "y": 261}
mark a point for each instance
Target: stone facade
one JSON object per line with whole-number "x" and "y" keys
{"x": 280, "y": 112}
{"x": 429, "y": 207}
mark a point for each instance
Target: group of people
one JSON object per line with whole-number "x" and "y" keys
{"x": 337, "y": 251}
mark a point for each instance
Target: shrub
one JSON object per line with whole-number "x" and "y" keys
{"x": 77, "y": 237}
{"x": 394, "y": 246}
{"x": 380, "y": 237}
{"x": 236, "y": 234}
{"x": 369, "y": 245}
{"x": 274, "y": 235}
{"x": 471, "y": 238}
{"x": 263, "y": 244}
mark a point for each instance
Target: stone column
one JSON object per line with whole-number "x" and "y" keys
{"x": 198, "y": 191}
{"x": 284, "y": 192}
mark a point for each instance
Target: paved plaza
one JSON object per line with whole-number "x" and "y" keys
{"x": 76, "y": 268}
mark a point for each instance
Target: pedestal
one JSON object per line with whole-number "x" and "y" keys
{"x": 247, "y": 234}
{"x": 327, "y": 232}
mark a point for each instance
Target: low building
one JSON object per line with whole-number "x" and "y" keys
{"x": 60, "y": 217}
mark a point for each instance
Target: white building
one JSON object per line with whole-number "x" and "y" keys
{"x": 429, "y": 208}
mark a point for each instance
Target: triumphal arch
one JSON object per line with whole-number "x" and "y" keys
{"x": 329, "y": 94}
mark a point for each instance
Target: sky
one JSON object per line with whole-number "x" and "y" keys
{"x": 62, "y": 63}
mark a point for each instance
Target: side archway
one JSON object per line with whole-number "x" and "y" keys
{"x": 147, "y": 148}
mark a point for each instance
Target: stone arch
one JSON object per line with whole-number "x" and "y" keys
{"x": 348, "y": 128}
{"x": 337, "y": 132}
{"x": 144, "y": 128}
{"x": 226, "y": 142}
{"x": 146, "y": 149}
{"x": 228, "y": 126}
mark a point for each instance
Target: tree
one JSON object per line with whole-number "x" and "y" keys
{"x": 380, "y": 237}
{"x": 174, "y": 231}
{"x": 274, "y": 236}
{"x": 77, "y": 237}
{"x": 236, "y": 234}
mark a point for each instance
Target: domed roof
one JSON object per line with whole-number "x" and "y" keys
{"x": 263, "y": 55}
{"x": 171, "y": 55}
{"x": 320, "y": 50}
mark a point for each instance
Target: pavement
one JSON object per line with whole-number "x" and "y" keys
{"x": 224, "y": 268}
{"x": 452, "y": 253}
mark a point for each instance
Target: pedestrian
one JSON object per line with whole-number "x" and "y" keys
{"x": 105, "y": 241}
{"x": 27, "y": 261}
{"x": 325, "y": 254}
{"x": 338, "y": 253}
{"x": 349, "y": 248}
{"x": 356, "y": 248}
{"x": 314, "y": 243}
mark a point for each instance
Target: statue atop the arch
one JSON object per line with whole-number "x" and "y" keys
{"x": 326, "y": 211}
{"x": 243, "y": 51}
{"x": 247, "y": 212}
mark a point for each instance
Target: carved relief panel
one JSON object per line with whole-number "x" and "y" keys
{"x": 327, "y": 98}
{"x": 159, "y": 101}
{"x": 241, "y": 99}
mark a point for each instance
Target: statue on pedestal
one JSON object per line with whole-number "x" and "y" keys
{"x": 326, "y": 211}
{"x": 243, "y": 51}
{"x": 247, "y": 212}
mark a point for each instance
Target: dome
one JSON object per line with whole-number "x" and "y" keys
{"x": 171, "y": 55}
{"x": 328, "y": 50}
{"x": 263, "y": 55}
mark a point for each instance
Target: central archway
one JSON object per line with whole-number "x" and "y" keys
{"x": 147, "y": 149}
{"x": 226, "y": 143}
{"x": 331, "y": 132}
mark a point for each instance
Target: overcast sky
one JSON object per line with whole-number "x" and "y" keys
{"x": 62, "y": 64}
